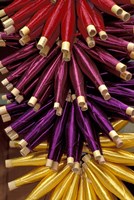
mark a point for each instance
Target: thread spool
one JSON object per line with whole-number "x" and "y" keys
{"x": 2, "y": 13}
{"x": 23, "y": 143}
{"x": 15, "y": 92}
{"x": 49, "y": 163}
{"x": 130, "y": 46}
{"x": 24, "y": 31}
{"x": 130, "y": 111}
{"x": 4, "y": 18}
{"x": 127, "y": 76}
{"x": 103, "y": 35}
{"x": 12, "y": 186}
{"x": 117, "y": 10}
{"x": 114, "y": 136}
{"x": 42, "y": 42}
{"x": 24, "y": 40}
{"x": 44, "y": 52}
{"x": 25, "y": 151}
{"x": 4, "y": 70}
{"x": 8, "y": 23}
{"x": 6, "y": 117}
{"x": 32, "y": 102}
{"x": 121, "y": 67}
{"x": 81, "y": 101}
{"x": 125, "y": 16}
{"x": 2, "y": 43}
{"x": 97, "y": 155}
{"x": 5, "y": 82}
{"x": 90, "y": 42}
{"x": 3, "y": 110}
{"x": 91, "y": 30}
{"x": 9, "y": 30}
{"x": 70, "y": 161}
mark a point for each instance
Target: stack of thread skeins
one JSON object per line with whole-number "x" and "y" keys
{"x": 69, "y": 79}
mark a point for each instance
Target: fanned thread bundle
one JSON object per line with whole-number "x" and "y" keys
{"x": 66, "y": 87}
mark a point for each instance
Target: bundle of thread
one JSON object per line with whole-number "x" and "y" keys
{"x": 66, "y": 85}
{"x": 83, "y": 183}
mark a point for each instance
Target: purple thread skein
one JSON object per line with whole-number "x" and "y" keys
{"x": 61, "y": 84}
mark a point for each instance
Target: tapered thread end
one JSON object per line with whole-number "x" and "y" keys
{"x": 24, "y": 31}
{"x": 12, "y": 186}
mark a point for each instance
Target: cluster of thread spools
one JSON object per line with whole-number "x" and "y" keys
{"x": 70, "y": 78}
